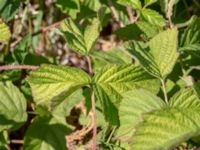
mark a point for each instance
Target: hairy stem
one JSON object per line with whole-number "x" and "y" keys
{"x": 14, "y": 67}
{"x": 93, "y": 107}
{"x": 170, "y": 12}
{"x": 164, "y": 90}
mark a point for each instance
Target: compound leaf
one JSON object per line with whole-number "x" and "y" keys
{"x": 113, "y": 80}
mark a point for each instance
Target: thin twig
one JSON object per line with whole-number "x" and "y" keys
{"x": 17, "y": 142}
{"x": 89, "y": 65}
{"x": 114, "y": 13}
{"x": 164, "y": 90}
{"x": 45, "y": 29}
{"x": 111, "y": 134}
{"x": 15, "y": 67}
{"x": 42, "y": 30}
{"x": 93, "y": 107}
{"x": 79, "y": 135}
{"x": 130, "y": 14}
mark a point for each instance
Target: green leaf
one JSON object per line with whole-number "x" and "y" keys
{"x": 46, "y": 133}
{"x": 163, "y": 48}
{"x": 152, "y": 17}
{"x": 91, "y": 34}
{"x": 81, "y": 42}
{"x": 4, "y": 140}
{"x": 133, "y": 3}
{"x": 113, "y": 80}
{"x": 163, "y": 5}
{"x": 70, "y": 7}
{"x": 89, "y": 9}
{"x": 13, "y": 107}
{"x": 8, "y": 8}
{"x": 134, "y": 105}
{"x": 190, "y": 39}
{"x": 113, "y": 56}
{"x": 133, "y": 31}
{"x": 168, "y": 127}
{"x": 161, "y": 55}
{"x": 64, "y": 108}
{"x": 185, "y": 98}
{"x": 5, "y": 32}
{"x": 128, "y": 32}
{"x": 149, "y": 30}
{"x": 74, "y": 36}
{"x": 51, "y": 83}
{"x": 149, "y": 2}
{"x": 71, "y": 4}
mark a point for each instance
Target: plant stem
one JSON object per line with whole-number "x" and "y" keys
{"x": 89, "y": 64}
{"x": 182, "y": 67}
{"x": 13, "y": 67}
{"x": 93, "y": 107}
{"x": 187, "y": 23}
{"x": 111, "y": 134}
{"x": 114, "y": 13}
{"x": 164, "y": 90}
{"x": 130, "y": 14}
{"x": 170, "y": 12}
{"x": 17, "y": 142}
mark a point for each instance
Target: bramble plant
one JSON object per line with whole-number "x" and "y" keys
{"x": 135, "y": 86}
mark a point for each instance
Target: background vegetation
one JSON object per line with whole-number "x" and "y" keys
{"x": 99, "y": 74}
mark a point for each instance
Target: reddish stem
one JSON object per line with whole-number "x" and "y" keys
{"x": 14, "y": 67}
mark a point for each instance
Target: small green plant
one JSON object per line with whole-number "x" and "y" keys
{"x": 141, "y": 95}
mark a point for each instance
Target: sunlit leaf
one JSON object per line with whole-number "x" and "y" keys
{"x": 5, "y": 32}
{"x": 49, "y": 83}
{"x": 113, "y": 80}
{"x": 152, "y": 17}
